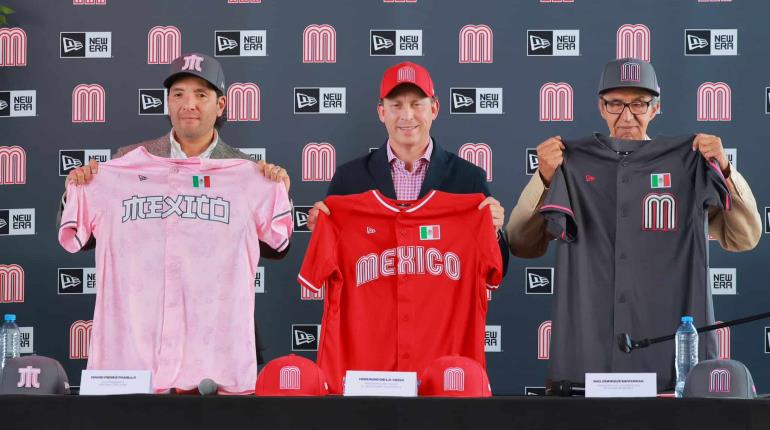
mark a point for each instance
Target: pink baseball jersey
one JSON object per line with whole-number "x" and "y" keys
{"x": 176, "y": 255}
{"x": 406, "y": 280}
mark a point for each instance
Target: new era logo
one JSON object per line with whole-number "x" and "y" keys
{"x": 69, "y": 163}
{"x": 719, "y": 42}
{"x": 320, "y": 100}
{"x": 72, "y": 158}
{"x": 77, "y": 280}
{"x": 461, "y": 101}
{"x": 532, "y": 162}
{"x": 70, "y": 45}
{"x": 556, "y": 43}
{"x": 536, "y": 43}
{"x": 305, "y": 101}
{"x": 152, "y": 101}
{"x": 305, "y": 337}
{"x": 3, "y": 104}
{"x": 300, "y": 219}
{"x": 224, "y": 43}
{"x": 767, "y": 220}
{"x": 149, "y": 101}
{"x": 767, "y": 340}
{"x": 539, "y": 280}
{"x": 379, "y": 43}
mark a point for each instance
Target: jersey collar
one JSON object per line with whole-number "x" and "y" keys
{"x": 392, "y": 204}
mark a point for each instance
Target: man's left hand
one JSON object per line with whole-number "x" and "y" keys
{"x": 711, "y": 148}
{"x": 497, "y": 211}
{"x": 275, "y": 173}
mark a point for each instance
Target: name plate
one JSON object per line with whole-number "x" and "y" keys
{"x": 621, "y": 385}
{"x": 380, "y": 384}
{"x": 103, "y": 382}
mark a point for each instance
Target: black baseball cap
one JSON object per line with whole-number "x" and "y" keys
{"x": 629, "y": 72}
{"x": 720, "y": 379}
{"x": 34, "y": 374}
{"x": 200, "y": 65}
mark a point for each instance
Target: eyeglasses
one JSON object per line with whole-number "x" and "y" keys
{"x": 637, "y": 107}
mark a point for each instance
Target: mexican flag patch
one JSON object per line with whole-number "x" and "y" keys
{"x": 660, "y": 180}
{"x": 201, "y": 181}
{"x": 430, "y": 232}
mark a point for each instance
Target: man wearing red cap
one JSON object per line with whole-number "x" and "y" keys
{"x": 410, "y": 163}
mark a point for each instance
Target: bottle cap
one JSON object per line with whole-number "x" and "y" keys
{"x": 10, "y": 317}
{"x": 687, "y": 319}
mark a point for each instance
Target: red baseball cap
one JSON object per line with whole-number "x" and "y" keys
{"x": 291, "y": 375}
{"x": 406, "y": 73}
{"x": 454, "y": 376}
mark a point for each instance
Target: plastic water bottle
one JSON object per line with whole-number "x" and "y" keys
{"x": 686, "y": 352}
{"x": 10, "y": 340}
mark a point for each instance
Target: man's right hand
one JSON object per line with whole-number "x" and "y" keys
{"x": 83, "y": 175}
{"x": 549, "y": 156}
{"x": 312, "y": 214}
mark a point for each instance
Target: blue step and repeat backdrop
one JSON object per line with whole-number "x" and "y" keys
{"x": 80, "y": 78}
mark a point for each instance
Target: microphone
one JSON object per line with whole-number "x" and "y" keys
{"x": 565, "y": 388}
{"x": 207, "y": 387}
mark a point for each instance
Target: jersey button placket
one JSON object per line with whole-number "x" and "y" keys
{"x": 172, "y": 331}
{"x": 404, "y": 302}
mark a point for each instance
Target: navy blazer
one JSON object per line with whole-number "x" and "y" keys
{"x": 446, "y": 172}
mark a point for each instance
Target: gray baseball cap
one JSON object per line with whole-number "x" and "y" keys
{"x": 720, "y": 379}
{"x": 34, "y": 374}
{"x": 629, "y": 72}
{"x": 200, "y": 65}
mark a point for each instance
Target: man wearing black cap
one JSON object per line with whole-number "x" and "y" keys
{"x": 628, "y": 214}
{"x": 410, "y": 163}
{"x": 196, "y": 105}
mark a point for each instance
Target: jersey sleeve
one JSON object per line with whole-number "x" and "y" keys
{"x": 714, "y": 187}
{"x": 78, "y": 217}
{"x": 273, "y": 214}
{"x": 320, "y": 262}
{"x": 557, "y": 209}
{"x": 491, "y": 260}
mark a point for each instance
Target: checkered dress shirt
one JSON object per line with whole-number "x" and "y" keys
{"x": 406, "y": 183}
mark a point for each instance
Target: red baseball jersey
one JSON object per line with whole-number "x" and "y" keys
{"x": 406, "y": 280}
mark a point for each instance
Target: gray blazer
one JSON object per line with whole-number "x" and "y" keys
{"x": 161, "y": 147}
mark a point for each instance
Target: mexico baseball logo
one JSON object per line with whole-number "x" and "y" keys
{"x": 319, "y": 161}
{"x": 719, "y": 381}
{"x": 629, "y": 72}
{"x": 13, "y": 165}
{"x": 556, "y": 102}
{"x": 479, "y": 154}
{"x": 454, "y": 379}
{"x": 714, "y": 102}
{"x": 633, "y": 41}
{"x": 544, "y": 341}
{"x": 164, "y": 44}
{"x": 319, "y": 44}
{"x": 476, "y": 44}
{"x": 723, "y": 342}
{"x": 659, "y": 212}
{"x": 308, "y": 294}
{"x": 13, "y": 47}
{"x": 407, "y": 260}
{"x": 289, "y": 378}
{"x": 80, "y": 339}
{"x": 243, "y": 102}
{"x": 28, "y": 377}
{"x": 88, "y": 102}
{"x": 11, "y": 283}
{"x": 200, "y": 207}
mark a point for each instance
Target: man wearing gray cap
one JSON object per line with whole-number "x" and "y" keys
{"x": 196, "y": 110}
{"x": 631, "y": 256}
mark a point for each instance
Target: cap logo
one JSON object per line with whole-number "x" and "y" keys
{"x": 290, "y": 378}
{"x": 629, "y": 72}
{"x": 192, "y": 62}
{"x": 28, "y": 377}
{"x": 454, "y": 379}
{"x": 719, "y": 381}
{"x": 406, "y": 74}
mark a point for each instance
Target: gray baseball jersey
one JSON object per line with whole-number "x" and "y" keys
{"x": 632, "y": 255}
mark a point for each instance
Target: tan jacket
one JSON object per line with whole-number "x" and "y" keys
{"x": 738, "y": 229}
